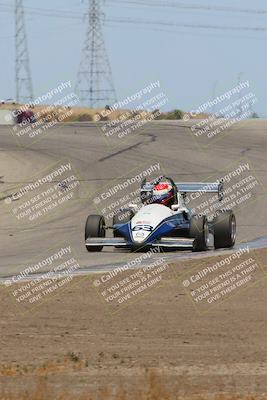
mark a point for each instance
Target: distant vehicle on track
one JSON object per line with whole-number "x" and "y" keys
{"x": 24, "y": 116}
{"x": 8, "y": 101}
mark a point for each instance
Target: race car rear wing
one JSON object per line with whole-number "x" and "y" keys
{"x": 201, "y": 187}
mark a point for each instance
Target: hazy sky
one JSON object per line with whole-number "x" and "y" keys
{"x": 187, "y": 61}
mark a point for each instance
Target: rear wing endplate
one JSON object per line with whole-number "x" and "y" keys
{"x": 201, "y": 187}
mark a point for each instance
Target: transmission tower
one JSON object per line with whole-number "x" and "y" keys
{"x": 24, "y": 90}
{"x": 214, "y": 90}
{"x": 94, "y": 82}
{"x": 239, "y": 77}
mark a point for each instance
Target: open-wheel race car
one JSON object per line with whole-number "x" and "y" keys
{"x": 164, "y": 220}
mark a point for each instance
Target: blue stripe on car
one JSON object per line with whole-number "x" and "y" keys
{"x": 124, "y": 230}
{"x": 165, "y": 227}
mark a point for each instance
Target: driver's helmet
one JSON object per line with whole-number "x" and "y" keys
{"x": 163, "y": 193}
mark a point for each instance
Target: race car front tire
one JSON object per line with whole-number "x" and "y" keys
{"x": 224, "y": 227}
{"x": 95, "y": 228}
{"x": 199, "y": 230}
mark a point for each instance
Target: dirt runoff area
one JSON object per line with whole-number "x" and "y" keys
{"x": 193, "y": 329}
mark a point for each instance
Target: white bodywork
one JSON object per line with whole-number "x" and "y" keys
{"x": 147, "y": 219}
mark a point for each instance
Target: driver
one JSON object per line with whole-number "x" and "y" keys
{"x": 163, "y": 193}
{"x": 160, "y": 191}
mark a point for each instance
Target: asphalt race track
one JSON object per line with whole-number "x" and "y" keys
{"x": 99, "y": 163}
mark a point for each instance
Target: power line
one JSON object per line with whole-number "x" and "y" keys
{"x": 194, "y": 32}
{"x": 186, "y": 25}
{"x": 186, "y": 6}
{"x": 130, "y": 21}
{"x": 42, "y": 12}
{"x": 155, "y": 3}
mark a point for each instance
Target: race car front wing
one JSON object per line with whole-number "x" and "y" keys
{"x": 166, "y": 242}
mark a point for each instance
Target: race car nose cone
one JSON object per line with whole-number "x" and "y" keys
{"x": 139, "y": 237}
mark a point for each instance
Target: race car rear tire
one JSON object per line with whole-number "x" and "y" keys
{"x": 224, "y": 226}
{"x": 95, "y": 228}
{"x": 123, "y": 217}
{"x": 199, "y": 230}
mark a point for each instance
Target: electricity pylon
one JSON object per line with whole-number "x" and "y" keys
{"x": 94, "y": 82}
{"x": 24, "y": 89}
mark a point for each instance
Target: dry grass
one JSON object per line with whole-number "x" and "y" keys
{"x": 70, "y": 114}
{"x": 71, "y": 361}
{"x": 153, "y": 388}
